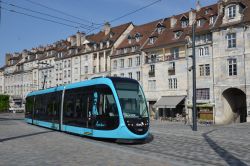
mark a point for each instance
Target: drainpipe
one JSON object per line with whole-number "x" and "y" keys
{"x": 244, "y": 61}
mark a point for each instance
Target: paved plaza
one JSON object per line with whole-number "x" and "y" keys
{"x": 171, "y": 144}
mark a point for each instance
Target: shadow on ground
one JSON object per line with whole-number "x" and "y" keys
{"x": 224, "y": 154}
{"x": 23, "y": 136}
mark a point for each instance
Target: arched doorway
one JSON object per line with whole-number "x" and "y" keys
{"x": 236, "y": 102}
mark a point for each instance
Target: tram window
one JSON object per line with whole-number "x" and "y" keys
{"x": 29, "y": 107}
{"x": 107, "y": 113}
{"x": 53, "y": 107}
{"x": 76, "y": 106}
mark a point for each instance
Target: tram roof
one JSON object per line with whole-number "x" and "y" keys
{"x": 94, "y": 81}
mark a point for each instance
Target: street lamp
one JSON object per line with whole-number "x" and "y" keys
{"x": 45, "y": 76}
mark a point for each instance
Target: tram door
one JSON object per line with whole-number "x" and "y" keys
{"x": 88, "y": 115}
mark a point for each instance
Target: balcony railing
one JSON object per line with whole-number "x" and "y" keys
{"x": 151, "y": 73}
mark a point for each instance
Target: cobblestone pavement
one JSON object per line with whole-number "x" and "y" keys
{"x": 171, "y": 144}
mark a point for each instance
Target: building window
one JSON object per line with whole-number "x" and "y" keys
{"x": 138, "y": 75}
{"x": 202, "y": 94}
{"x": 204, "y": 70}
{"x": 199, "y": 23}
{"x": 76, "y": 60}
{"x": 184, "y": 23}
{"x": 69, "y": 63}
{"x": 172, "y": 83}
{"x": 138, "y": 61}
{"x": 115, "y": 64}
{"x": 65, "y": 73}
{"x": 130, "y": 75}
{"x": 232, "y": 67}
{"x": 175, "y": 53}
{"x": 137, "y": 37}
{"x": 122, "y": 74}
{"x": 212, "y": 19}
{"x": 206, "y": 51}
{"x": 129, "y": 62}
{"x": 231, "y": 40}
{"x": 68, "y": 73}
{"x": 201, "y": 51}
{"x": 122, "y": 63}
{"x": 151, "y": 84}
{"x": 65, "y": 64}
{"x": 178, "y": 34}
{"x": 231, "y": 11}
{"x": 151, "y": 72}
{"x": 151, "y": 40}
{"x": 85, "y": 69}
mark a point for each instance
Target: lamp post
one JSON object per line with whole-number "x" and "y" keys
{"x": 45, "y": 76}
{"x": 194, "y": 113}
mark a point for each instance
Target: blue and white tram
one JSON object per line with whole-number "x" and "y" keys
{"x": 109, "y": 107}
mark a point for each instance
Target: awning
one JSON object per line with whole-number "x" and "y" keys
{"x": 168, "y": 101}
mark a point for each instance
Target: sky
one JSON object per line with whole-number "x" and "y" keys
{"x": 18, "y": 32}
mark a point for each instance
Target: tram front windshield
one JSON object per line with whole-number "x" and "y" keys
{"x": 132, "y": 100}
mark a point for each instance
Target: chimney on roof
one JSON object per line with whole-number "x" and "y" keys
{"x": 80, "y": 37}
{"x": 192, "y": 17}
{"x": 72, "y": 40}
{"x": 198, "y": 5}
{"x": 7, "y": 59}
{"x": 106, "y": 28}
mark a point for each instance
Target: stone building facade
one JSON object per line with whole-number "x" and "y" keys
{"x": 157, "y": 54}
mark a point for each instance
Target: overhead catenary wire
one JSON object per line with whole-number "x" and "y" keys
{"x": 41, "y": 18}
{"x": 61, "y": 12}
{"x": 84, "y": 26}
{"x": 127, "y": 14}
{"x": 132, "y": 12}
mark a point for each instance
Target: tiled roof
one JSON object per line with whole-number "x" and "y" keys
{"x": 144, "y": 30}
{"x": 167, "y": 37}
{"x": 115, "y": 31}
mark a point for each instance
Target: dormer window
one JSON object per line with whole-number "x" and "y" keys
{"x": 95, "y": 46}
{"x": 178, "y": 34}
{"x": 160, "y": 28}
{"x": 137, "y": 37}
{"x": 111, "y": 34}
{"x": 200, "y": 22}
{"x": 184, "y": 22}
{"x": 232, "y": 11}
{"x": 101, "y": 45}
{"x": 129, "y": 39}
{"x": 108, "y": 43}
{"x": 151, "y": 40}
{"x": 47, "y": 53}
{"x": 212, "y": 19}
{"x": 206, "y": 12}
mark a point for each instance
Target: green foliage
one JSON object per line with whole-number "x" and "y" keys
{"x": 4, "y": 103}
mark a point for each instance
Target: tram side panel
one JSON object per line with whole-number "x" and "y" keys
{"x": 88, "y": 110}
